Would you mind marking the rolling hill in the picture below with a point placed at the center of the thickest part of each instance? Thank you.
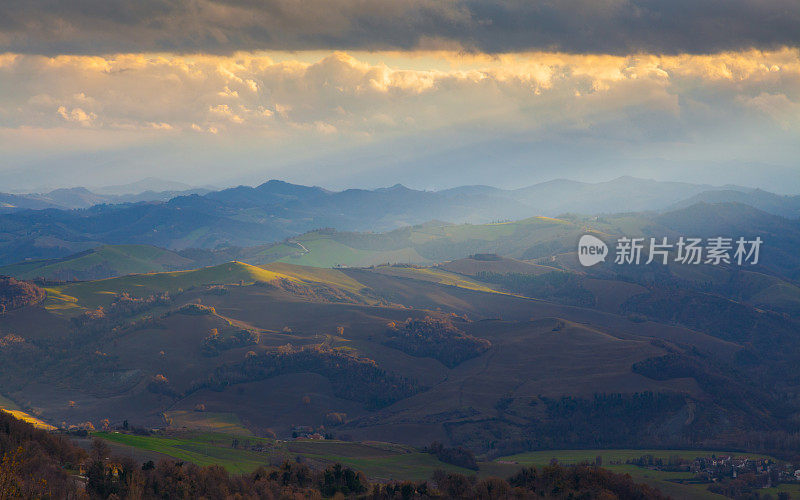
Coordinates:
(493, 263)
(529, 246)
(421, 244)
(285, 346)
(785, 206)
(250, 216)
(85, 295)
(101, 262)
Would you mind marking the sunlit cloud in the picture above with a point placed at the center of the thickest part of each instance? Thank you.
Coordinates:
(258, 92)
(288, 104)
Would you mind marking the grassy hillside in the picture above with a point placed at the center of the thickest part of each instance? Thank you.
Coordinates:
(379, 461)
(328, 277)
(91, 294)
(421, 244)
(101, 262)
(492, 367)
(542, 240)
(128, 357)
(493, 263)
(8, 406)
(439, 276)
(321, 250)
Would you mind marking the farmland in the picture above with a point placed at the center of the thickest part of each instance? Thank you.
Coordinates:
(384, 461)
(379, 461)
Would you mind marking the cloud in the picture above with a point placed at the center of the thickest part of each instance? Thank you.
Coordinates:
(77, 115)
(356, 114)
(492, 26)
(342, 93)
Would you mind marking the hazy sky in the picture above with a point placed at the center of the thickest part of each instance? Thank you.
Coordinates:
(429, 93)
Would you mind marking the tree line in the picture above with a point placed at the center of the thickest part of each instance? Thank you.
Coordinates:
(37, 464)
(352, 377)
(558, 286)
(435, 338)
(15, 294)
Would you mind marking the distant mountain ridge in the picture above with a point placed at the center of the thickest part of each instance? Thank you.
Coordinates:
(248, 216)
(547, 198)
(785, 206)
(80, 197)
(153, 184)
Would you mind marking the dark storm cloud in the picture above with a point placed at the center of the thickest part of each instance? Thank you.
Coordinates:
(577, 26)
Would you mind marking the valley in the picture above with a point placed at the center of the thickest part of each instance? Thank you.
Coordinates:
(365, 348)
(257, 342)
(414, 250)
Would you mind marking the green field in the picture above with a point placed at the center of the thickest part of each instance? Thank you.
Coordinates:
(324, 251)
(487, 232)
(201, 448)
(384, 461)
(379, 461)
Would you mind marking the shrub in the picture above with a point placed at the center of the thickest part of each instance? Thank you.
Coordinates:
(196, 309)
(15, 294)
(352, 377)
(459, 456)
(436, 338)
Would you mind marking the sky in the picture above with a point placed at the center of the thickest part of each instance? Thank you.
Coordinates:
(427, 93)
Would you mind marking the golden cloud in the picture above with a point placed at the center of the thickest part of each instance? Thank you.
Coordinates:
(366, 93)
